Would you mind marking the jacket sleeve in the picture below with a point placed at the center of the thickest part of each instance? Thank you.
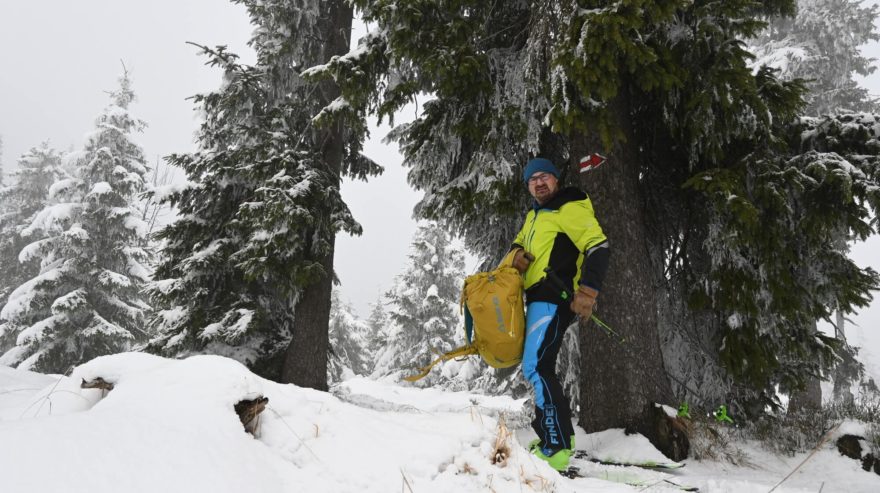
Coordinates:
(595, 265)
(581, 226)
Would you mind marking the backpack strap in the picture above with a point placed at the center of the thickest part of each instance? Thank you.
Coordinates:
(507, 261)
(468, 326)
(455, 353)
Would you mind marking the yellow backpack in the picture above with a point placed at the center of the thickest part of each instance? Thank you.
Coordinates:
(494, 318)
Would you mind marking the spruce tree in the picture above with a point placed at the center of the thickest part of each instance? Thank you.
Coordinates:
(425, 307)
(86, 300)
(778, 228)
(822, 45)
(248, 267)
(519, 90)
(667, 90)
(377, 334)
(38, 169)
(348, 341)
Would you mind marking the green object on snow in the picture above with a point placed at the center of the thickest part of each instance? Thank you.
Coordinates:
(684, 411)
(721, 415)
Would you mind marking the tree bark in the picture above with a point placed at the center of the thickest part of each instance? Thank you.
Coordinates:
(808, 399)
(248, 411)
(98, 383)
(619, 379)
(842, 384)
(305, 362)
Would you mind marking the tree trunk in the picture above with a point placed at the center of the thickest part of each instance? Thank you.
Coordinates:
(619, 379)
(305, 363)
(842, 394)
(809, 399)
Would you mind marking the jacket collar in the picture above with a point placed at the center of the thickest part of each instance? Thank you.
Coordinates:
(562, 197)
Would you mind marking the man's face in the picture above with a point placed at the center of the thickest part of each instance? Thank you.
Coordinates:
(543, 186)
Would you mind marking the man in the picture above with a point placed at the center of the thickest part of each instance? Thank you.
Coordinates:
(560, 250)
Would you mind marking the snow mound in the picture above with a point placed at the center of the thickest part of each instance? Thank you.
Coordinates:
(17, 389)
(615, 446)
(169, 426)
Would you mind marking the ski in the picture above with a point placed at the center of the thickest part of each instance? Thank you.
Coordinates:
(633, 476)
(580, 454)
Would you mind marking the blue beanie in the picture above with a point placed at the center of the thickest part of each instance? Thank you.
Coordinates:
(537, 165)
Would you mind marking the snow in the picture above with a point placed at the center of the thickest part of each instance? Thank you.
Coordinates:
(98, 325)
(174, 420)
(36, 330)
(207, 252)
(108, 277)
(669, 410)
(136, 269)
(136, 224)
(616, 446)
(432, 292)
(164, 192)
(169, 426)
(165, 286)
(52, 218)
(850, 427)
(100, 188)
(34, 250)
(21, 298)
(62, 186)
(734, 321)
(243, 319)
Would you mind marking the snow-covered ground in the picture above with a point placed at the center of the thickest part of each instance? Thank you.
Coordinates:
(169, 426)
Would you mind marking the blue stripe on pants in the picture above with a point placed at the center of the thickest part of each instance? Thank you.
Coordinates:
(545, 328)
(538, 318)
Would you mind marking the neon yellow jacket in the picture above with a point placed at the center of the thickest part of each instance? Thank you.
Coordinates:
(558, 234)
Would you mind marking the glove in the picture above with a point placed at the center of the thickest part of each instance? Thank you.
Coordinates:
(521, 260)
(584, 300)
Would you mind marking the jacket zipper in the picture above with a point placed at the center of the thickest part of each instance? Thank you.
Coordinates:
(531, 235)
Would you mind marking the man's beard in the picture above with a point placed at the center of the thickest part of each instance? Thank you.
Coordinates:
(542, 193)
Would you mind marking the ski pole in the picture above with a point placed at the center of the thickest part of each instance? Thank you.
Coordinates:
(607, 328)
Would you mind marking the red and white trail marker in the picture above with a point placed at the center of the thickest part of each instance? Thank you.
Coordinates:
(591, 162)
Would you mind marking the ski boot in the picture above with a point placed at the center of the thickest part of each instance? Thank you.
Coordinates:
(558, 460)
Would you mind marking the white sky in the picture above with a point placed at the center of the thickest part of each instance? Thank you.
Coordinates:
(57, 57)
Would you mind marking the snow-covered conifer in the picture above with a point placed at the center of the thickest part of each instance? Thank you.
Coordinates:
(37, 170)
(668, 92)
(378, 326)
(246, 264)
(86, 300)
(348, 342)
(781, 229)
(228, 279)
(424, 306)
(822, 44)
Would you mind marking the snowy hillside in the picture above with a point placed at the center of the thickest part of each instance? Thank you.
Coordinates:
(169, 426)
